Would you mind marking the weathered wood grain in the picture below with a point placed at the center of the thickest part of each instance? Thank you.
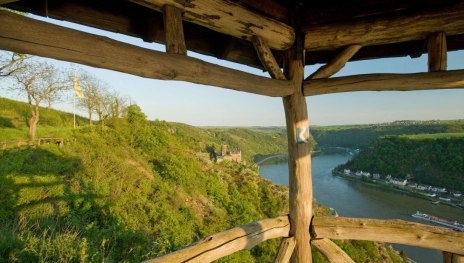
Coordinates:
(267, 58)
(26, 35)
(337, 63)
(437, 57)
(230, 18)
(331, 251)
(386, 82)
(175, 43)
(287, 245)
(391, 231)
(452, 258)
(386, 30)
(230, 241)
(299, 161)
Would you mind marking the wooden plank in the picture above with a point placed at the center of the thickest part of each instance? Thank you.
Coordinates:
(453, 79)
(391, 231)
(436, 46)
(337, 63)
(230, 18)
(175, 43)
(267, 58)
(4, 2)
(331, 251)
(452, 258)
(227, 242)
(385, 31)
(299, 160)
(287, 245)
(29, 36)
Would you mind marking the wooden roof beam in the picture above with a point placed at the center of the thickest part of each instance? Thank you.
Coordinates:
(25, 35)
(337, 63)
(385, 31)
(386, 82)
(436, 45)
(267, 58)
(230, 18)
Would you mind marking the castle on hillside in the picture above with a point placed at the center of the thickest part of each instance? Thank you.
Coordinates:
(234, 155)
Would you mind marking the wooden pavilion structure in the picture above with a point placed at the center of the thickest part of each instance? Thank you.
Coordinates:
(271, 35)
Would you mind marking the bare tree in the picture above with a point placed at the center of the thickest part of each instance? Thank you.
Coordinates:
(93, 90)
(11, 62)
(39, 81)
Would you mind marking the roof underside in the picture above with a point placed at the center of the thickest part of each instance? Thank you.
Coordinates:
(135, 19)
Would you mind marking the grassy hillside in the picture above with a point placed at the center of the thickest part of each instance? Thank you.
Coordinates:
(436, 159)
(132, 193)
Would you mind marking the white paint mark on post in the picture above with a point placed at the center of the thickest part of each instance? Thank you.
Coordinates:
(302, 135)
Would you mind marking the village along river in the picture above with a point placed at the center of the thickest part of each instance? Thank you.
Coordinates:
(355, 199)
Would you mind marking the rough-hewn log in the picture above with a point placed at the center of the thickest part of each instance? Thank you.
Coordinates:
(436, 46)
(267, 58)
(386, 82)
(452, 258)
(287, 245)
(174, 30)
(26, 35)
(299, 161)
(337, 63)
(331, 251)
(231, 19)
(385, 31)
(391, 231)
(227, 242)
(4, 2)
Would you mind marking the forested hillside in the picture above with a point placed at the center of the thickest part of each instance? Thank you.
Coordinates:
(134, 191)
(436, 159)
(360, 136)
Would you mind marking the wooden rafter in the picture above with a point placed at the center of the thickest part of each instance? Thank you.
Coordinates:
(230, 18)
(386, 82)
(331, 251)
(267, 58)
(385, 31)
(286, 247)
(337, 63)
(390, 231)
(436, 45)
(227, 242)
(26, 35)
(175, 43)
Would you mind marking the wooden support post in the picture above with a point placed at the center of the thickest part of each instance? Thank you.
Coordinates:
(287, 245)
(267, 58)
(337, 63)
(436, 45)
(299, 160)
(452, 258)
(175, 43)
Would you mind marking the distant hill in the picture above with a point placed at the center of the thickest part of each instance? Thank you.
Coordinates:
(360, 136)
(435, 159)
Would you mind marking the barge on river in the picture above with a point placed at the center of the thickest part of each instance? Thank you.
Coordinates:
(453, 225)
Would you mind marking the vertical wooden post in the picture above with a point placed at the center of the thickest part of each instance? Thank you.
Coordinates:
(436, 45)
(174, 30)
(299, 160)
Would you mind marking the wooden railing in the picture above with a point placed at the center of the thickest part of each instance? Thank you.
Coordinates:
(31, 143)
(322, 230)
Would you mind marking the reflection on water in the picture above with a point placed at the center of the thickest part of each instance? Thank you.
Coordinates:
(354, 199)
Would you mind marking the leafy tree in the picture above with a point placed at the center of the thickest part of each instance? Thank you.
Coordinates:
(93, 93)
(39, 81)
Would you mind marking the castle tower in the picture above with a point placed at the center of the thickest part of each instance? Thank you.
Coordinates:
(223, 149)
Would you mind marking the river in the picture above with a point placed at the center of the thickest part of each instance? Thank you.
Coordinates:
(355, 199)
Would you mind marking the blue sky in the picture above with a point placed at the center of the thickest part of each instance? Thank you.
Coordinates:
(201, 105)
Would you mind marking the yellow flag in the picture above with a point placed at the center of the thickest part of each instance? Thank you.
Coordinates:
(77, 88)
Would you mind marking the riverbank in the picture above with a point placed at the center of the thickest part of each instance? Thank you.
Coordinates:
(391, 188)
